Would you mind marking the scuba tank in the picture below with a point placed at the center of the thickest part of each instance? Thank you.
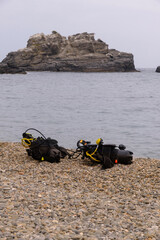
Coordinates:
(106, 154)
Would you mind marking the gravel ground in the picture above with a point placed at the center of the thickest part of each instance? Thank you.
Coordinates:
(75, 199)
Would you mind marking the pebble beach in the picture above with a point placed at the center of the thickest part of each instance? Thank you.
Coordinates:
(76, 199)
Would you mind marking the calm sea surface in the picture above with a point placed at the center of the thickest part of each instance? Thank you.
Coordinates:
(118, 107)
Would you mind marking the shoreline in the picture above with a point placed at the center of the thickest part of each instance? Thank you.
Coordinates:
(75, 199)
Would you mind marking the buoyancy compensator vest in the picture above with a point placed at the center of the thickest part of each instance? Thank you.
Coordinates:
(106, 154)
(42, 148)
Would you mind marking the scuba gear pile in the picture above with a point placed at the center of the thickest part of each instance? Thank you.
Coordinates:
(106, 154)
(47, 149)
(42, 148)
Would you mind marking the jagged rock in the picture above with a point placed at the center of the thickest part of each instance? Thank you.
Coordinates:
(5, 68)
(158, 69)
(80, 52)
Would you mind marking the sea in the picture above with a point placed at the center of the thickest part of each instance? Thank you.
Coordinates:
(120, 108)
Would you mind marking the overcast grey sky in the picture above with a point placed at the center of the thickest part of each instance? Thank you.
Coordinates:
(126, 25)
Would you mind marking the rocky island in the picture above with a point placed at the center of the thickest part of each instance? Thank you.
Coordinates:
(77, 53)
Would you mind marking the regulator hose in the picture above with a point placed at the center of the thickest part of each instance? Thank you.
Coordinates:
(36, 131)
(28, 138)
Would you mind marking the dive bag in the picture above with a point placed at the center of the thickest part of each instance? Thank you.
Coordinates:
(42, 148)
(106, 154)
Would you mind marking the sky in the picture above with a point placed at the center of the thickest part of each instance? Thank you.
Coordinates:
(126, 25)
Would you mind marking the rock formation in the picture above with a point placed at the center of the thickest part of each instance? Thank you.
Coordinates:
(78, 53)
(6, 68)
(158, 69)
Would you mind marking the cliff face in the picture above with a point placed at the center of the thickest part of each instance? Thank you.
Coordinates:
(80, 52)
